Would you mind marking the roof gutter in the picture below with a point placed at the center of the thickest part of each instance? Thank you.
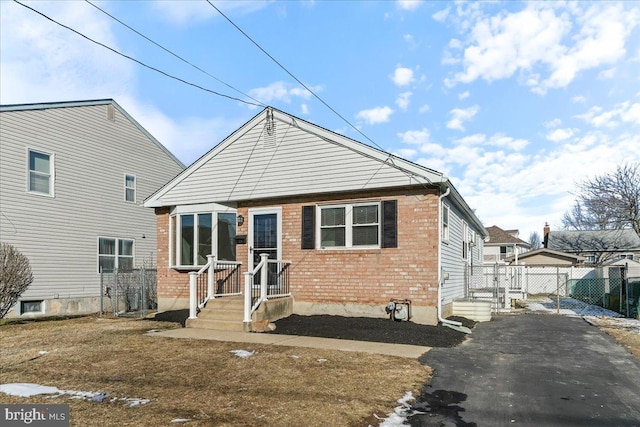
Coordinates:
(440, 275)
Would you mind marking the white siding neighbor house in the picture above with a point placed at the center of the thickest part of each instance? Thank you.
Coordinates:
(347, 228)
(73, 176)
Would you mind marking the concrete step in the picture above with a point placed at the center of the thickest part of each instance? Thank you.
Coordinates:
(218, 325)
(221, 314)
(226, 303)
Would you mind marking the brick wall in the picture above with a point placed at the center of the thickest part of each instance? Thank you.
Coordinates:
(337, 276)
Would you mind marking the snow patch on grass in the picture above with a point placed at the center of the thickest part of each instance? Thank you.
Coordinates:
(30, 389)
(243, 353)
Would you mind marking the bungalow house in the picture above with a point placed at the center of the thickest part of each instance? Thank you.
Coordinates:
(73, 176)
(353, 227)
(501, 244)
(597, 246)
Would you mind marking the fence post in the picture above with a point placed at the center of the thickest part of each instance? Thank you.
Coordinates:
(143, 298)
(193, 294)
(212, 270)
(115, 286)
(264, 276)
(248, 279)
(558, 290)
(101, 292)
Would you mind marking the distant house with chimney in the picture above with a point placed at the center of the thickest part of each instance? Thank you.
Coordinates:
(596, 246)
(502, 244)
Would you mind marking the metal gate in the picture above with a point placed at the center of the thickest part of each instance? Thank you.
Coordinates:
(129, 292)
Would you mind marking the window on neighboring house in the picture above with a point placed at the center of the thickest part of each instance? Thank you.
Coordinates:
(465, 240)
(30, 307)
(130, 188)
(503, 252)
(114, 253)
(626, 256)
(590, 259)
(196, 234)
(445, 223)
(40, 173)
(346, 226)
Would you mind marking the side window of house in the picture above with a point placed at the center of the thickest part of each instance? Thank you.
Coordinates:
(445, 223)
(198, 234)
(40, 179)
(465, 240)
(130, 188)
(115, 253)
(347, 226)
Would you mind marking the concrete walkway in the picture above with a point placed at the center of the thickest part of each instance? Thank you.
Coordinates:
(531, 370)
(399, 350)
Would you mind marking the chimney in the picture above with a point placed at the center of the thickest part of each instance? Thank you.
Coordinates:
(546, 230)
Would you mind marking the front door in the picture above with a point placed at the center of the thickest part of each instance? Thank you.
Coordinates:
(265, 235)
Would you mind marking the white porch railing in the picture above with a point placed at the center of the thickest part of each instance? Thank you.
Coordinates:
(214, 279)
(273, 283)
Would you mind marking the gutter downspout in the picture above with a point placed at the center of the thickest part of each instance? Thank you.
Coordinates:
(440, 279)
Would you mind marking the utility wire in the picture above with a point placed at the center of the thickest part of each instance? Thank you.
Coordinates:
(296, 79)
(172, 53)
(138, 61)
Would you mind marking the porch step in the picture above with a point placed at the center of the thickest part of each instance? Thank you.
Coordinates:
(222, 314)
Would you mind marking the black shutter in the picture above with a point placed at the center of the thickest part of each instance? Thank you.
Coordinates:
(390, 224)
(308, 227)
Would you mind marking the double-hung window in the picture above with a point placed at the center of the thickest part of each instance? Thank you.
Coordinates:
(348, 226)
(40, 180)
(445, 223)
(130, 188)
(114, 253)
(196, 235)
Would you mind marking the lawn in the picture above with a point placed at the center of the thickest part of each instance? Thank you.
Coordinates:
(198, 380)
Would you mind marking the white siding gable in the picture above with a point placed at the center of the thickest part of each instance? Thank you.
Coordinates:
(287, 157)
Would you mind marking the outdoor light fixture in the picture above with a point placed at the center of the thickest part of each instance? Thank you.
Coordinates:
(240, 220)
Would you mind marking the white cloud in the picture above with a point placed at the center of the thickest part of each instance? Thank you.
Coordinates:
(375, 115)
(622, 112)
(464, 95)
(44, 62)
(304, 109)
(553, 123)
(607, 74)
(402, 101)
(402, 76)
(496, 140)
(559, 135)
(407, 153)
(409, 4)
(579, 99)
(461, 115)
(539, 38)
(281, 91)
(424, 109)
(419, 137)
(441, 15)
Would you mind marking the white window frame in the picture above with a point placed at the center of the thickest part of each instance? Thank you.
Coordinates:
(126, 187)
(349, 226)
(446, 229)
(51, 174)
(465, 242)
(175, 237)
(117, 255)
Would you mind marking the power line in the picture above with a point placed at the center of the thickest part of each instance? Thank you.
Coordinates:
(172, 53)
(138, 61)
(296, 79)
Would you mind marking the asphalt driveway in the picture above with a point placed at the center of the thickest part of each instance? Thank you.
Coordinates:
(531, 370)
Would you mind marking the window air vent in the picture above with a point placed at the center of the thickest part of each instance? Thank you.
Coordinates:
(111, 113)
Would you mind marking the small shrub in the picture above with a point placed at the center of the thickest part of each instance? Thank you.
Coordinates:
(15, 276)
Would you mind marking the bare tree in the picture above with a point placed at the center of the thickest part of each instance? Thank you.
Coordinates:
(534, 240)
(609, 201)
(15, 276)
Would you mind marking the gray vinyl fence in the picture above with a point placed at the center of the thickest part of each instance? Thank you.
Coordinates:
(607, 287)
(129, 293)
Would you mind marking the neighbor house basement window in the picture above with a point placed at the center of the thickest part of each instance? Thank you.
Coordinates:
(197, 234)
(40, 178)
(30, 307)
(114, 254)
(130, 188)
(346, 226)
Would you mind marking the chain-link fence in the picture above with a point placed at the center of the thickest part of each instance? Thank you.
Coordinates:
(607, 287)
(131, 292)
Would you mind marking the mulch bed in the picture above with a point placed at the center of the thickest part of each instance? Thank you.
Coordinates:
(372, 329)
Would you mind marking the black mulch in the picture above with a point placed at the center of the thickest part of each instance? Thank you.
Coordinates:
(371, 329)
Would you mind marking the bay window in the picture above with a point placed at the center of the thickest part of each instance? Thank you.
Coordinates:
(197, 235)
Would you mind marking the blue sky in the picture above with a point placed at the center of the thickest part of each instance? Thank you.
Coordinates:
(516, 102)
